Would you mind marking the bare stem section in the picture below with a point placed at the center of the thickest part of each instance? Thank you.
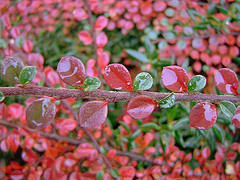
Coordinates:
(111, 96)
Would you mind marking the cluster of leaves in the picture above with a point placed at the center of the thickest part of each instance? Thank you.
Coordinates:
(170, 32)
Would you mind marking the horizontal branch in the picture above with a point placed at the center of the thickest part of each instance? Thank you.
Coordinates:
(111, 96)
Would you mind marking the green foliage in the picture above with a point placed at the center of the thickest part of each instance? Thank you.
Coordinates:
(143, 81)
(228, 108)
(91, 84)
(137, 55)
(27, 74)
(196, 83)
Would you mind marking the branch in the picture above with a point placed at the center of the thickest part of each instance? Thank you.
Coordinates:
(44, 134)
(77, 142)
(111, 96)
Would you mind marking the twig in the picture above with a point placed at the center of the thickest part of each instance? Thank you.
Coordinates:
(111, 96)
(76, 142)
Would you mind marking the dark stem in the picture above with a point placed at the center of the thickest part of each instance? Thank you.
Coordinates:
(112, 96)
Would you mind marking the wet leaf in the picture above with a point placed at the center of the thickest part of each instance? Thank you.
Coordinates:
(143, 81)
(71, 70)
(168, 101)
(175, 78)
(228, 108)
(92, 114)
(91, 84)
(2, 97)
(236, 118)
(196, 83)
(40, 113)
(11, 68)
(137, 55)
(118, 77)
(140, 106)
(203, 116)
(226, 81)
(27, 74)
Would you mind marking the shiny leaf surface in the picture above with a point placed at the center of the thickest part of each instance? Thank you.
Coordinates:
(203, 116)
(137, 55)
(143, 81)
(175, 78)
(118, 77)
(168, 101)
(11, 68)
(71, 70)
(2, 97)
(92, 114)
(140, 106)
(228, 108)
(236, 118)
(226, 81)
(27, 74)
(196, 83)
(40, 113)
(91, 84)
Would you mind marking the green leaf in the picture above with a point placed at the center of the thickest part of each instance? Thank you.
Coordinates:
(168, 35)
(162, 45)
(143, 81)
(2, 97)
(168, 101)
(181, 123)
(19, 41)
(137, 55)
(27, 74)
(151, 125)
(149, 47)
(100, 175)
(91, 84)
(228, 108)
(181, 44)
(211, 8)
(219, 132)
(125, 126)
(114, 173)
(196, 83)
(223, 10)
(3, 43)
(169, 12)
(135, 134)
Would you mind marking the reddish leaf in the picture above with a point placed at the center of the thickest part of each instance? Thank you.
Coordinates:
(15, 32)
(127, 172)
(101, 40)
(175, 78)
(36, 59)
(226, 81)
(29, 156)
(118, 77)
(85, 150)
(103, 59)
(3, 109)
(27, 46)
(51, 76)
(80, 14)
(140, 106)
(85, 37)
(92, 114)
(203, 115)
(64, 125)
(71, 70)
(236, 118)
(40, 113)
(206, 152)
(14, 111)
(101, 23)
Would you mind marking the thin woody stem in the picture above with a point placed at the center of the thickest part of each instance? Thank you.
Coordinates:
(112, 96)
